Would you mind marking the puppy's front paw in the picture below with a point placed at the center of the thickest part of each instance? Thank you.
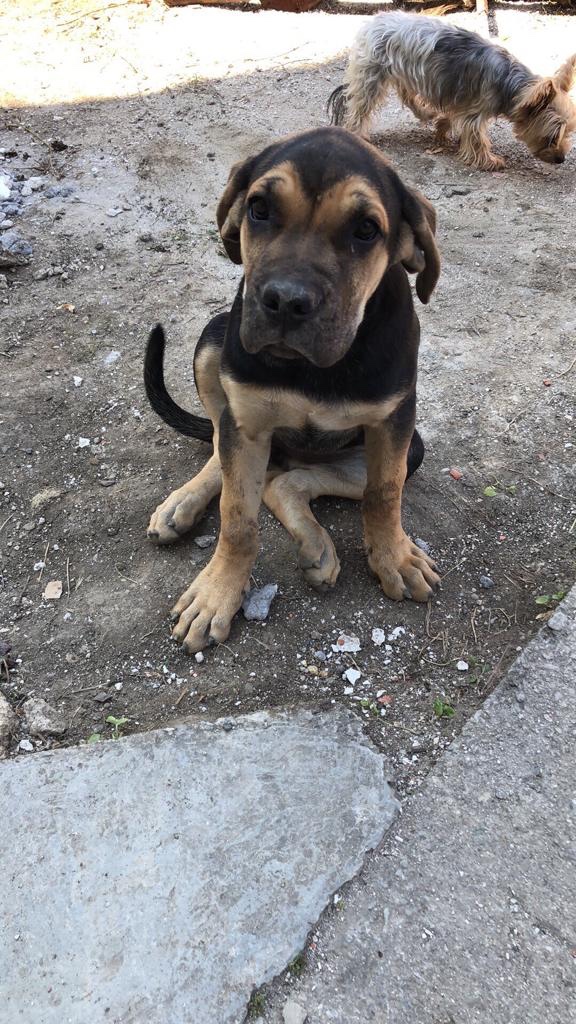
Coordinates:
(175, 516)
(205, 611)
(404, 570)
(318, 560)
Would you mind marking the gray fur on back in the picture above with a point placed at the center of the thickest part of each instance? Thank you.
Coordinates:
(445, 65)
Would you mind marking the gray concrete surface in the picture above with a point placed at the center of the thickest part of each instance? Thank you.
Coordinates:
(157, 879)
(467, 914)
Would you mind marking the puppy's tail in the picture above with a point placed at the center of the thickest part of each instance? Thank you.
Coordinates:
(184, 422)
(336, 106)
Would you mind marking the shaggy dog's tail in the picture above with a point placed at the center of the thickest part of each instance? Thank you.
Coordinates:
(336, 105)
(179, 419)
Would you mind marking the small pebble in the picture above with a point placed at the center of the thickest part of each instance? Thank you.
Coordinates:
(205, 540)
(26, 745)
(256, 604)
(397, 632)
(199, 657)
(351, 675)
(103, 697)
(486, 582)
(423, 545)
(462, 666)
(346, 644)
(558, 622)
(457, 190)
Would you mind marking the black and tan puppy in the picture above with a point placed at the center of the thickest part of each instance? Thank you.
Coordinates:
(310, 380)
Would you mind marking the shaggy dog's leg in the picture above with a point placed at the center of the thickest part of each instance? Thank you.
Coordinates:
(475, 145)
(366, 85)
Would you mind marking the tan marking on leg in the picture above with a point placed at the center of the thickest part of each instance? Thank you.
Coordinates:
(183, 507)
(288, 496)
(419, 108)
(442, 128)
(402, 568)
(205, 611)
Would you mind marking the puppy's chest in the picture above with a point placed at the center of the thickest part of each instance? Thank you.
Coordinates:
(259, 409)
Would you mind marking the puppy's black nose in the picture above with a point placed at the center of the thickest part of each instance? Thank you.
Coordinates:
(289, 301)
(559, 159)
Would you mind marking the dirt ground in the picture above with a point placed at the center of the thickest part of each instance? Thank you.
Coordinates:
(153, 106)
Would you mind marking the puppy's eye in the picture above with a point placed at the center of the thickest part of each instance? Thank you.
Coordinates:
(366, 230)
(258, 208)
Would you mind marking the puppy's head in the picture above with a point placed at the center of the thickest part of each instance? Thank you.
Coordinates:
(545, 115)
(317, 220)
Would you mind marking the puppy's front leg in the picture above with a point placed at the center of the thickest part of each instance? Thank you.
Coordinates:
(205, 611)
(402, 568)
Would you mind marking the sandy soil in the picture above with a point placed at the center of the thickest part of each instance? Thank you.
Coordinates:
(153, 106)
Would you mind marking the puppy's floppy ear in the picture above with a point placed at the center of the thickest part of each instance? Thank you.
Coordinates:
(231, 207)
(566, 75)
(536, 97)
(417, 250)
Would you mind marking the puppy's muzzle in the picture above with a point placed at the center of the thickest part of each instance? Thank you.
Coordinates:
(289, 304)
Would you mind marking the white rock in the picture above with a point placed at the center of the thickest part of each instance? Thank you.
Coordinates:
(26, 745)
(346, 644)
(114, 211)
(397, 632)
(78, 381)
(83, 442)
(199, 657)
(4, 189)
(111, 358)
(53, 590)
(378, 636)
(293, 1013)
(462, 666)
(351, 675)
(42, 719)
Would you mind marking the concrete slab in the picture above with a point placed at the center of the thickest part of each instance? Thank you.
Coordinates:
(159, 878)
(468, 912)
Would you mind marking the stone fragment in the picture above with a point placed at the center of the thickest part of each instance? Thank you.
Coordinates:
(346, 644)
(42, 719)
(293, 1013)
(486, 582)
(205, 540)
(227, 845)
(256, 604)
